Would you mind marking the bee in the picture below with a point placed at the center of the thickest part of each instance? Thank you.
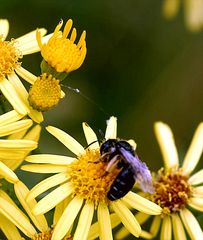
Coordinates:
(120, 154)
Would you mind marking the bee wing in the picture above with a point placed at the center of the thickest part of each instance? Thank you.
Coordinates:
(142, 174)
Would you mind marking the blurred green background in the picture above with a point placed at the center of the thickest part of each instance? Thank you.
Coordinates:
(139, 68)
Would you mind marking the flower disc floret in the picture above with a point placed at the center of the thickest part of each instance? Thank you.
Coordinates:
(60, 52)
(46, 236)
(9, 57)
(45, 93)
(172, 191)
(89, 177)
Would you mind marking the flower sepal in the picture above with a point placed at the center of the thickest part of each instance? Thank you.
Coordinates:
(46, 68)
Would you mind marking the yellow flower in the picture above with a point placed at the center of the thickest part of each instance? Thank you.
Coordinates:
(60, 52)
(11, 52)
(193, 12)
(12, 218)
(10, 215)
(83, 185)
(176, 189)
(45, 91)
(19, 141)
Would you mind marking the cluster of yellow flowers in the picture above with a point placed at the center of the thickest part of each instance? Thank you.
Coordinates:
(82, 207)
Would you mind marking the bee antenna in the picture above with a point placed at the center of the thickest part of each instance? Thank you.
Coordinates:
(91, 144)
(76, 90)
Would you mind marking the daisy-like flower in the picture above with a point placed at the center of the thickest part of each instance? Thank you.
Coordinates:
(10, 215)
(19, 141)
(45, 91)
(83, 184)
(11, 53)
(61, 54)
(176, 189)
(12, 219)
(193, 12)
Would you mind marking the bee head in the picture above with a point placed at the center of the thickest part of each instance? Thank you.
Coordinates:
(109, 146)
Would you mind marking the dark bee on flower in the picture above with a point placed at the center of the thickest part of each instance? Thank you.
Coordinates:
(120, 154)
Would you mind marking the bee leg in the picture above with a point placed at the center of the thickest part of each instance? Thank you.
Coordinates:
(103, 158)
(113, 164)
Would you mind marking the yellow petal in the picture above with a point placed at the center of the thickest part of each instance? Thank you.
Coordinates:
(67, 219)
(9, 117)
(27, 44)
(15, 127)
(90, 136)
(84, 222)
(193, 15)
(178, 230)
(4, 26)
(45, 168)
(154, 229)
(126, 217)
(17, 135)
(94, 229)
(166, 229)
(11, 95)
(10, 155)
(66, 139)
(191, 224)
(33, 134)
(23, 94)
(46, 184)
(166, 142)
(170, 8)
(9, 229)
(197, 191)
(14, 215)
(111, 129)
(30, 36)
(26, 75)
(197, 178)
(105, 229)
(21, 192)
(50, 158)
(196, 203)
(17, 145)
(194, 152)
(59, 209)
(132, 143)
(121, 233)
(7, 173)
(142, 204)
(53, 198)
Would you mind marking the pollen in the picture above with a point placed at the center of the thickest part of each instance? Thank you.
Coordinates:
(47, 236)
(9, 57)
(172, 191)
(89, 177)
(60, 52)
(45, 93)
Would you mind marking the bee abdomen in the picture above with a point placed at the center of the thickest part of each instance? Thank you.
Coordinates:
(122, 184)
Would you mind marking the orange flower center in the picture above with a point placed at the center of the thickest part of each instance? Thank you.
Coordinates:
(9, 57)
(172, 191)
(89, 177)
